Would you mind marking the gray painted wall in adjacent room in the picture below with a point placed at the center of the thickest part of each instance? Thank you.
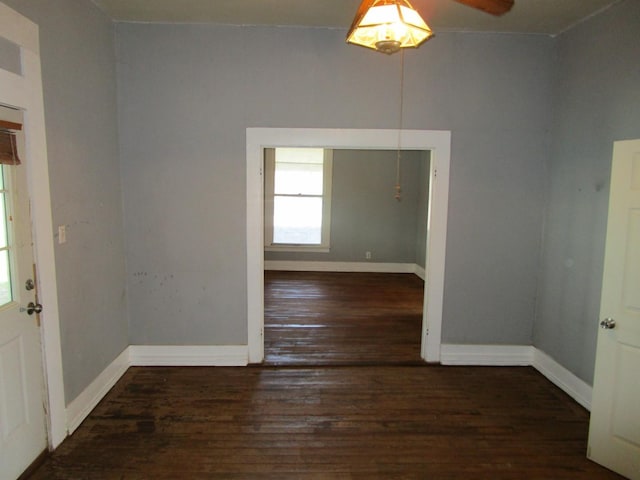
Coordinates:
(597, 101)
(79, 83)
(188, 92)
(365, 216)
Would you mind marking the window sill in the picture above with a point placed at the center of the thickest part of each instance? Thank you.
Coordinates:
(296, 248)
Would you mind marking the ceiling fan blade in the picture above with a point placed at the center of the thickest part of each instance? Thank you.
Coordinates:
(494, 7)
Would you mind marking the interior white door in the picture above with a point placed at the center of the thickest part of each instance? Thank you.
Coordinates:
(614, 433)
(22, 413)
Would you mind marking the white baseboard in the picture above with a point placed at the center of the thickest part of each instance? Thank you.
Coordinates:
(369, 267)
(576, 388)
(490, 355)
(237, 355)
(82, 405)
(519, 355)
(188, 355)
(150, 355)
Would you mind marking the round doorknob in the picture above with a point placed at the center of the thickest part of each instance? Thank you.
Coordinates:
(608, 324)
(32, 308)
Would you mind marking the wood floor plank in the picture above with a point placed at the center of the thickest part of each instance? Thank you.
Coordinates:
(326, 318)
(329, 422)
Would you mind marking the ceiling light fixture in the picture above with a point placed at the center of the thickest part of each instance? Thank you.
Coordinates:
(387, 26)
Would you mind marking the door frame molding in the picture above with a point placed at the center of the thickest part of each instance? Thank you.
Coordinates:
(438, 142)
(25, 91)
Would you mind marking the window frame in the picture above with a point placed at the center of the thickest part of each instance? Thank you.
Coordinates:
(269, 194)
(8, 192)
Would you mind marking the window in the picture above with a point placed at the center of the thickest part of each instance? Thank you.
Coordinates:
(298, 199)
(6, 295)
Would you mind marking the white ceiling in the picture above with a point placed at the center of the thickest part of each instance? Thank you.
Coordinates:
(527, 16)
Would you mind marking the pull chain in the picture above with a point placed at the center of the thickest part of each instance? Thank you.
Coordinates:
(398, 195)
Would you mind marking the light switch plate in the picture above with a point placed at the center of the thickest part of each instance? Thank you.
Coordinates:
(62, 234)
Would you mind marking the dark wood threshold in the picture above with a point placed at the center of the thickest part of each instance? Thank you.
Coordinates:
(350, 364)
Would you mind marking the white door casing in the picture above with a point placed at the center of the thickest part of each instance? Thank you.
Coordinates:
(438, 142)
(24, 91)
(614, 432)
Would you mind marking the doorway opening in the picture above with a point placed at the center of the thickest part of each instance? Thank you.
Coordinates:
(345, 243)
(435, 141)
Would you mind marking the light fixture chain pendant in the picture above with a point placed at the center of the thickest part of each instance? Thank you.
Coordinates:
(398, 194)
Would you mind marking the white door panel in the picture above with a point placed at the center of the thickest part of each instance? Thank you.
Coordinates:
(614, 434)
(22, 414)
(14, 398)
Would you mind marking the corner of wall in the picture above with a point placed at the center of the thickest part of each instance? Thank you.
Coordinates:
(519, 355)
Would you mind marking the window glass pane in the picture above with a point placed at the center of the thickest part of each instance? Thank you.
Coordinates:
(298, 171)
(2, 178)
(3, 221)
(297, 220)
(294, 179)
(5, 278)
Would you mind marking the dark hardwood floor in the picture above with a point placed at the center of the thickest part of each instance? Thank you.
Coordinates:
(320, 318)
(345, 399)
(389, 422)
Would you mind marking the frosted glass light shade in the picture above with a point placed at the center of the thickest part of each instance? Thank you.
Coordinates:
(388, 26)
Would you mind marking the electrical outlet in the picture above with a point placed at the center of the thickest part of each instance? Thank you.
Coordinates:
(367, 255)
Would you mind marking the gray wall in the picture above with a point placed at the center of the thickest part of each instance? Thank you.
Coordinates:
(365, 216)
(79, 81)
(188, 92)
(596, 101)
(186, 95)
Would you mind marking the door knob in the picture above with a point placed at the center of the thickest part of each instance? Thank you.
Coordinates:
(32, 308)
(608, 324)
